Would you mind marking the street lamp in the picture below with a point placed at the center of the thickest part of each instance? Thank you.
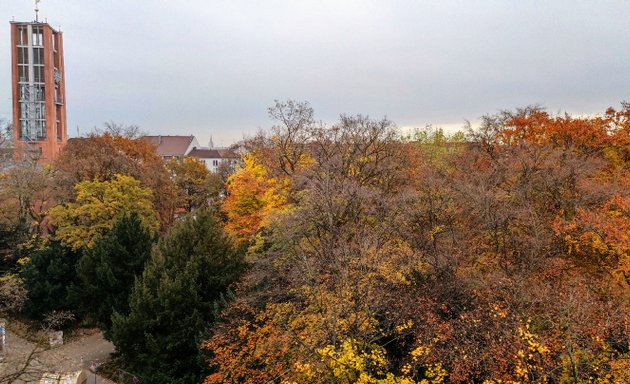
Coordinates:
(93, 367)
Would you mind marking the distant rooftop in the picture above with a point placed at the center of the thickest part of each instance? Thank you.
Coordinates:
(170, 145)
(213, 153)
(34, 22)
(228, 153)
(205, 153)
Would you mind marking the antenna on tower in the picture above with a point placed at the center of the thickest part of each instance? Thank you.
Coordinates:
(37, 10)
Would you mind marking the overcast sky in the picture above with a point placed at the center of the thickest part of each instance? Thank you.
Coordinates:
(208, 67)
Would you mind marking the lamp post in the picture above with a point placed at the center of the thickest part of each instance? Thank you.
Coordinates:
(93, 367)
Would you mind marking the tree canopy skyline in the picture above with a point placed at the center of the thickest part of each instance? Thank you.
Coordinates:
(211, 68)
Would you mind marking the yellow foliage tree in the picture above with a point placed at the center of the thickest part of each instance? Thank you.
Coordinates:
(98, 204)
(252, 196)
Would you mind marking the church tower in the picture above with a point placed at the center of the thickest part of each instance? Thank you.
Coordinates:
(39, 94)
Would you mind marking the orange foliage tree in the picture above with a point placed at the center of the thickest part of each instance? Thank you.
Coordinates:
(252, 197)
(101, 157)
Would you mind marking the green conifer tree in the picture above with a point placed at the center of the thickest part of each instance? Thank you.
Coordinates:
(172, 303)
(48, 276)
(109, 269)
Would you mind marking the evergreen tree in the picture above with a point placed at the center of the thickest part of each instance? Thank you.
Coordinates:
(48, 276)
(171, 304)
(108, 270)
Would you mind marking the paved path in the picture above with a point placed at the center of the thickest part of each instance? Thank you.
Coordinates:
(80, 353)
(75, 355)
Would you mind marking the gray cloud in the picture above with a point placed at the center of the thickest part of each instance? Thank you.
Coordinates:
(212, 67)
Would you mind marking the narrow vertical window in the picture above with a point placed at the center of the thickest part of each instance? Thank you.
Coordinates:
(22, 38)
(38, 37)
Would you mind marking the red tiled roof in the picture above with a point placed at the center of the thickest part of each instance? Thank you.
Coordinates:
(170, 145)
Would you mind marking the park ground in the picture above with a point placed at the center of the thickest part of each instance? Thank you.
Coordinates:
(80, 352)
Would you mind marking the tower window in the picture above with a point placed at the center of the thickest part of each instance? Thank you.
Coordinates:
(22, 55)
(22, 37)
(23, 73)
(38, 56)
(38, 37)
(38, 72)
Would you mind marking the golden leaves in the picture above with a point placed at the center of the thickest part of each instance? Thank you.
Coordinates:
(98, 203)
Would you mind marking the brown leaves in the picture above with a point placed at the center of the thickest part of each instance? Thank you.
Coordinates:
(492, 262)
(101, 157)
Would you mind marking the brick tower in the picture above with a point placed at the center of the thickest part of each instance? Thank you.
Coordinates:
(39, 94)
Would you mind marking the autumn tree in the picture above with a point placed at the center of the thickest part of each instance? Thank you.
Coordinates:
(260, 188)
(196, 185)
(115, 129)
(522, 182)
(98, 204)
(6, 142)
(334, 251)
(290, 137)
(498, 259)
(190, 268)
(100, 157)
(25, 197)
(253, 195)
(13, 294)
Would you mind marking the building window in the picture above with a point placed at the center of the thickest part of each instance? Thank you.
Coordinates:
(23, 111)
(40, 93)
(22, 55)
(22, 37)
(23, 73)
(38, 56)
(38, 37)
(40, 111)
(38, 73)
(215, 162)
(32, 93)
(40, 129)
(59, 132)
